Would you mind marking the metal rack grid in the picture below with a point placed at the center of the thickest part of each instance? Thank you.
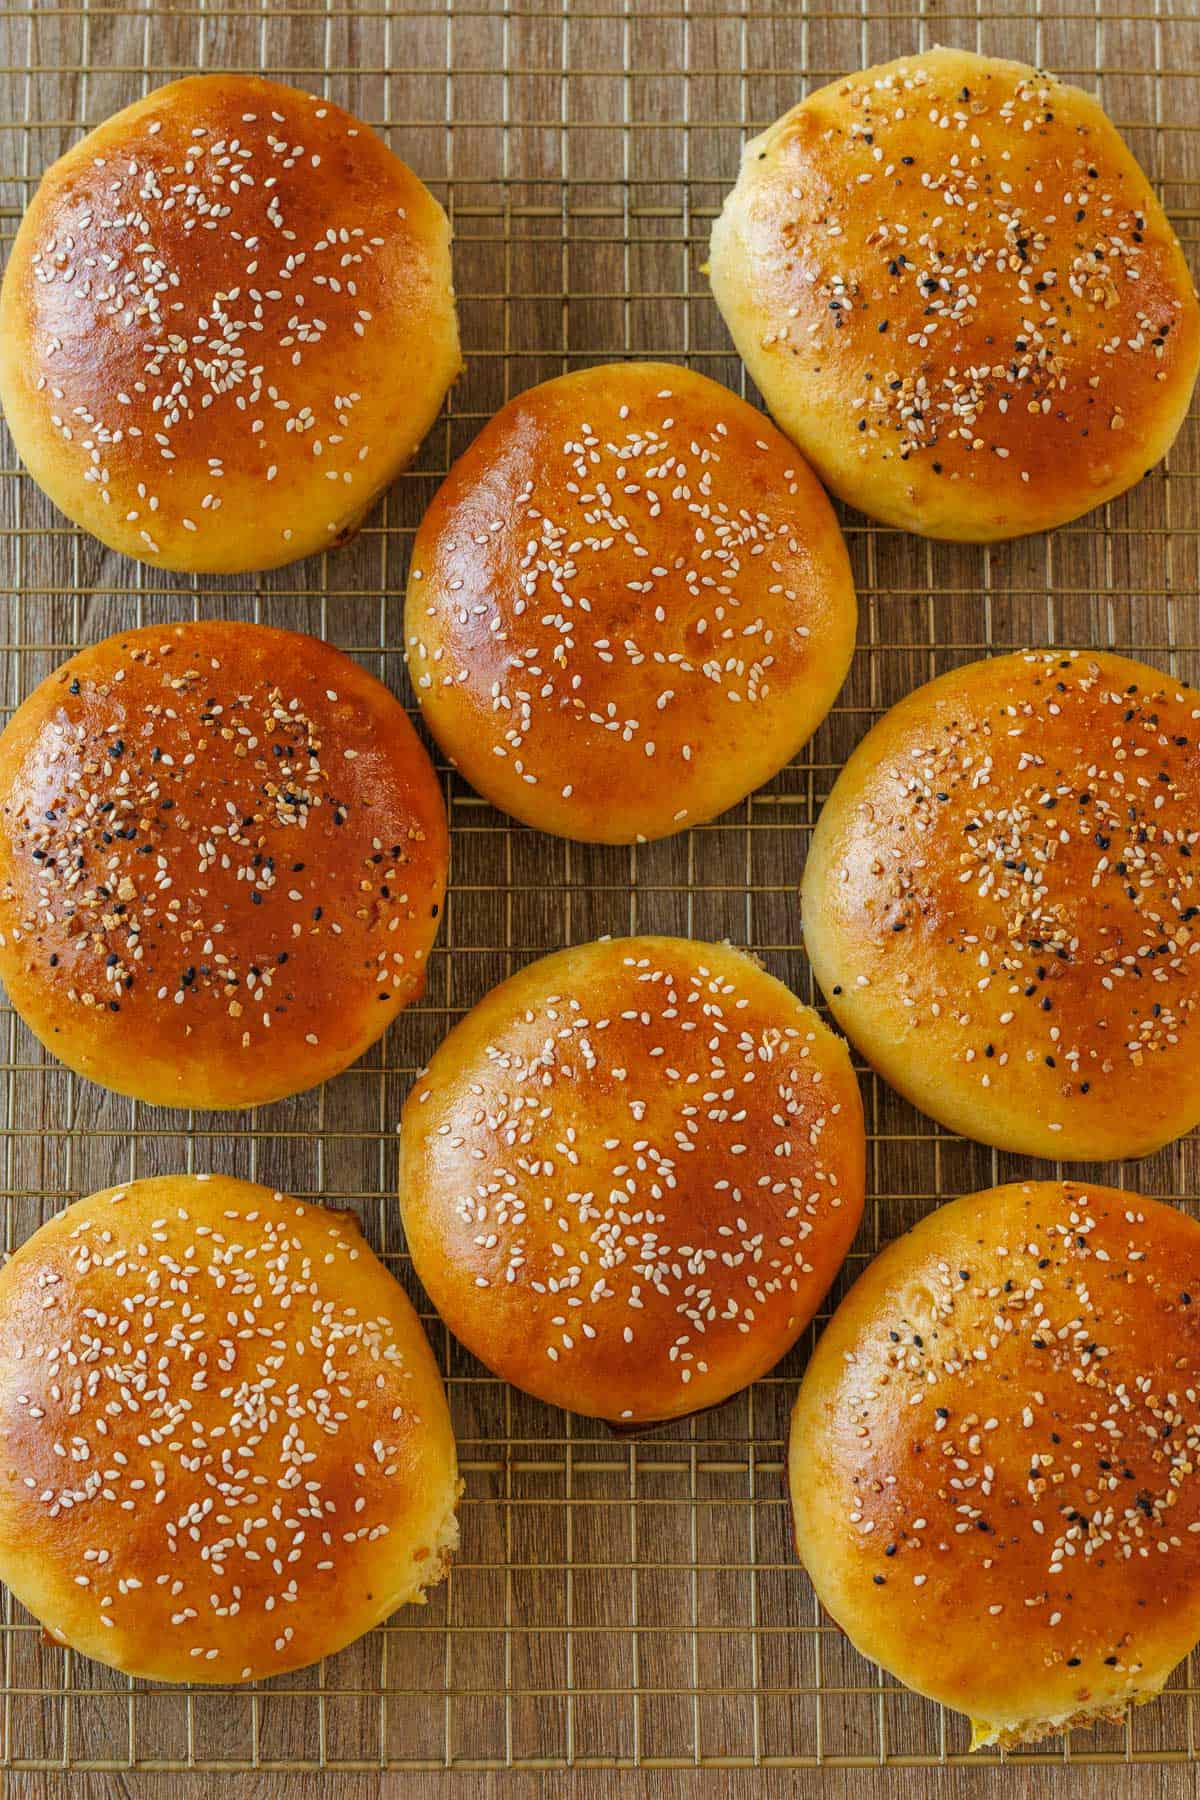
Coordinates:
(630, 1604)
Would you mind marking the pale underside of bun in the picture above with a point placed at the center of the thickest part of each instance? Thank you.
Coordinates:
(1011, 1736)
(630, 1175)
(1000, 903)
(226, 325)
(959, 295)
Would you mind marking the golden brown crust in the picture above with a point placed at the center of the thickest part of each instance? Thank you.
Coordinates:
(630, 1175)
(994, 1456)
(1001, 903)
(630, 604)
(222, 862)
(226, 325)
(226, 1451)
(958, 292)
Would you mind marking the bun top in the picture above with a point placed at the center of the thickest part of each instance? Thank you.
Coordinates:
(222, 862)
(960, 295)
(630, 1175)
(226, 324)
(995, 1456)
(1002, 897)
(629, 604)
(224, 1447)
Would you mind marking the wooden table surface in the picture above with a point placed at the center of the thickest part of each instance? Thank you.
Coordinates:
(1009, 1783)
(634, 1602)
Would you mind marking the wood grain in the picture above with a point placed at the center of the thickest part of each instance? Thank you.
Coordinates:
(1012, 1782)
(631, 1603)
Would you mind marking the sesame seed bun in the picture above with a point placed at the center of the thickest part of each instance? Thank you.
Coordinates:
(629, 605)
(959, 294)
(222, 863)
(994, 1455)
(630, 1174)
(1001, 903)
(226, 1450)
(226, 324)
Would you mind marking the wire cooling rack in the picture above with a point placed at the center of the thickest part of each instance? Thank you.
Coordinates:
(629, 1604)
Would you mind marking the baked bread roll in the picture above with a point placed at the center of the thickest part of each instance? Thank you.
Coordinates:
(222, 863)
(1002, 897)
(226, 324)
(958, 293)
(630, 1174)
(225, 1450)
(629, 604)
(994, 1456)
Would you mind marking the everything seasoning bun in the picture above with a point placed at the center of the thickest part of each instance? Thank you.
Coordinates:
(225, 1450)
(994, 1456)
(1002, 900)
(631, 1173)
(222, 863)
(629, 605)
(226, 324)
(959, 294)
